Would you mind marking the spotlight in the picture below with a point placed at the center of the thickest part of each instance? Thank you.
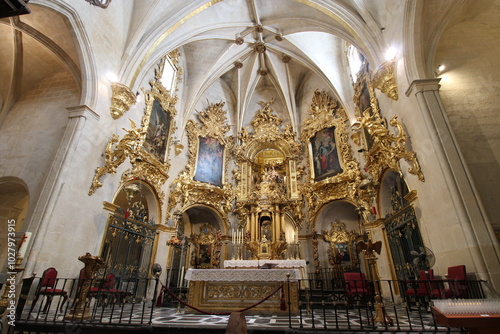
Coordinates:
(439, 69)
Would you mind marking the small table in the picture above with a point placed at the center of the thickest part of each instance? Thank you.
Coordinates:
(475, 323)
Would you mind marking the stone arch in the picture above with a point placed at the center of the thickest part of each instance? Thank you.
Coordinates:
(88, 69)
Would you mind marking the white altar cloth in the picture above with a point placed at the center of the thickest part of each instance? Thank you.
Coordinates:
(258, 263)
(242, 275)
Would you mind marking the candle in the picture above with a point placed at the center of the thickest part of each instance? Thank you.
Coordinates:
(181, 277)
(24, 244)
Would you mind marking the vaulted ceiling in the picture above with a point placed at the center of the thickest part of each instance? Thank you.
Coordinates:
(252, 50)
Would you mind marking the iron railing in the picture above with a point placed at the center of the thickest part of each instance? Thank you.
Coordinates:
(48, 309)
(323, 305)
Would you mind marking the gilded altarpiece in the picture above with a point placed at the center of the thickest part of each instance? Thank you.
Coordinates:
(327, 125)
(217, 193)
(266, 178)
(147, 146)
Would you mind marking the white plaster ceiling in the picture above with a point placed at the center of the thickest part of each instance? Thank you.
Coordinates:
(314, 35)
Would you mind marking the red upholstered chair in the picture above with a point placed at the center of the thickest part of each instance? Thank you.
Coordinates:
(109, 289)
(357, 287)
(421, 287)
(457, 284)
(425, 288)
(47, 288)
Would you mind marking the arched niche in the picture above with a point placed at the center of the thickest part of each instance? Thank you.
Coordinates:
(144, 193)
(204, 228)
(130, 236)
(391, 182)
(339, 225)
(14, 202)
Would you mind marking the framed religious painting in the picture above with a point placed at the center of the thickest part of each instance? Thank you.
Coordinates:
(158, 121)
(324, 152)
(343, 252)
(158, 131)
(329, 152)
(210, 161)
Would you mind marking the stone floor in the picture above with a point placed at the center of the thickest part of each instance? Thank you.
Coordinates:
(345, 320)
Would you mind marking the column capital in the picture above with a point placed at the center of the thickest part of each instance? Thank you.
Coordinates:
(423, 86)
(82, 111)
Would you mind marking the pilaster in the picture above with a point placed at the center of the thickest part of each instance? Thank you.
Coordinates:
(467, 203)
(39, 223)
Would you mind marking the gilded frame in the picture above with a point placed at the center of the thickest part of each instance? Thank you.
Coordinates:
(187, 191)
(342, 250)
(158, 122)
(366, 104)
(210, 161)
(325, 114)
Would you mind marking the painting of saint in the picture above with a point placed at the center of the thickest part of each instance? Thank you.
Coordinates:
(158, 132)
(343, 252)
(364, 100)
(210, 164)
(325, 154)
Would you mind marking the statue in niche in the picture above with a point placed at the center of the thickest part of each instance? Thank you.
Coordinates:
(266, 231)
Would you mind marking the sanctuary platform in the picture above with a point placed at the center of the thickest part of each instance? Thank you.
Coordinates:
(231, 290)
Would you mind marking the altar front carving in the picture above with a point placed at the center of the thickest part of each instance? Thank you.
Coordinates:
(230, 290)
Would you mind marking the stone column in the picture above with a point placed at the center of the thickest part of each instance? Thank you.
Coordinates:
(47, 201)
(468, 206)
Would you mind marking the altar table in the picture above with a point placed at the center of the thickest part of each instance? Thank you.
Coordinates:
(231, 290)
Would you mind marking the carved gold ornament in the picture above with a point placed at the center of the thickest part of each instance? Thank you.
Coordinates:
(213, 240)
(381, 148)
(122, 98)
(338, 235)
(387, 149)
(385, 80)
(145, 165)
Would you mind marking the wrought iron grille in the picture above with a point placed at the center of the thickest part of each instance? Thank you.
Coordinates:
(127, 250)
(404, 236)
